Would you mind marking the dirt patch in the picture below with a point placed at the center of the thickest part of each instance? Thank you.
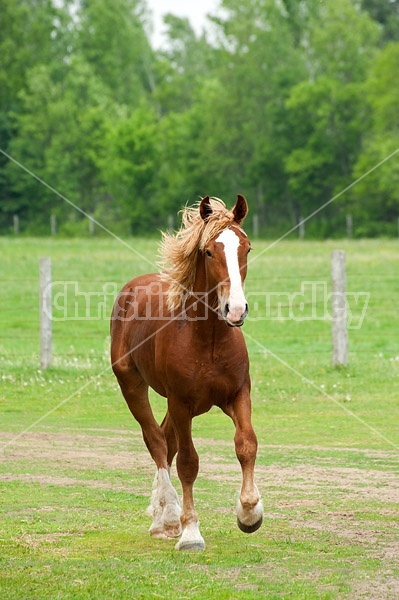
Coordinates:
(120, 450)
(86, 451)
(35, 540)
(386, 588)
(68, 481)
(352, 483)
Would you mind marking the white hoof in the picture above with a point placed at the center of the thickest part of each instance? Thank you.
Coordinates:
(190, 545)
(191, 538)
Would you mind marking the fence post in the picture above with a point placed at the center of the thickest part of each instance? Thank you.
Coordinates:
(91, 225)
(16, 224)
(349, 226)
(170, 223)
(339, 309)
(255, 225)
(301, 225)
(53, 224)
(45, 313)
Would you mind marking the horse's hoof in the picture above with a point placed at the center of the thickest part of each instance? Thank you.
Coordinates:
(172, 531)
(249, 528)
(196, 545)
(158, 533)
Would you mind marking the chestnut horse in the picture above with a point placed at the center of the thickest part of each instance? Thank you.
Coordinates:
(179, 333)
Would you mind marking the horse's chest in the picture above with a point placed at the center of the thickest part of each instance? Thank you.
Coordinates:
(211, 379)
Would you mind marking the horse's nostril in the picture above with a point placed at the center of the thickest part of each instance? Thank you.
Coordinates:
(227, 308)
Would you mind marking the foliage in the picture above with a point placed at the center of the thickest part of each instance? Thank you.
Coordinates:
(378, 199)
(111, 38)
(129, 165)
(327, 112)
(61, 130)
(287, 102)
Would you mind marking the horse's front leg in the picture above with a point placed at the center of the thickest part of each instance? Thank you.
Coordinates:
(249, 505)
(187, 469)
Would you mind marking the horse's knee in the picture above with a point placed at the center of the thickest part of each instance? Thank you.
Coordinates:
(119, 370)
(124, 374)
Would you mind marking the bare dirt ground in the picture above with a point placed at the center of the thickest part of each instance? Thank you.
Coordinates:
(305, 496)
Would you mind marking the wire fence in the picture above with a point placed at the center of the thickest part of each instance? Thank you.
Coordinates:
(285, 313)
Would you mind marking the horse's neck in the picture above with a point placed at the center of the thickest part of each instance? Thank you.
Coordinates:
(203, 302)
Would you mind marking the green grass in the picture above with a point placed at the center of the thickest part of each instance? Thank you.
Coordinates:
(75, 485)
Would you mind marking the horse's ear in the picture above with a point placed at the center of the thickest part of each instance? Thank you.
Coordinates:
(205, 208)
(240, 210)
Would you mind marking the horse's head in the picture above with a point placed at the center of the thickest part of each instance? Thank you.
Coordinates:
(226, 262)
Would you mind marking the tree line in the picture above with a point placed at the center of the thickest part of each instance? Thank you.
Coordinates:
(285, 101)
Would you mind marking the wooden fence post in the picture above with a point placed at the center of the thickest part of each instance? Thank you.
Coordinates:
(45, 313)
(170, 223)
(53, 224)
(301, 225)
(16, 224)
(255, 225)
(349, 226)
(91, 225)
(339, 309)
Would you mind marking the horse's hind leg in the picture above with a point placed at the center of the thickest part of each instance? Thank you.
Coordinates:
(164, 508)
(170, 437)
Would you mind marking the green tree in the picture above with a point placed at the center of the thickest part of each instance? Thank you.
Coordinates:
(69, 71)
(182, 66)
(244, 136)
(287, 103)
(60, 134)
(386, 13)
(375, 200)
(112, 39)
(327, 112)
(32, 32)
(129, 167)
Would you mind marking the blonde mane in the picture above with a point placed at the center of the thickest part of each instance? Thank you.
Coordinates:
(178, 252)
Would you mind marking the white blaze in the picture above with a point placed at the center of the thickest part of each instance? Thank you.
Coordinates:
(237, 302)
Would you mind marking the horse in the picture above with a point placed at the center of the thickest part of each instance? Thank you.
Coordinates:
(178, 332)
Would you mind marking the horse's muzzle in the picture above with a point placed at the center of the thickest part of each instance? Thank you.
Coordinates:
(231, 316)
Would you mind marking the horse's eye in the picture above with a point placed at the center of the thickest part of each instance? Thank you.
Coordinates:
(249, 250)
(208, 253)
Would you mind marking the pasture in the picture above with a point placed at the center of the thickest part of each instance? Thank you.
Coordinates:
(76, 478)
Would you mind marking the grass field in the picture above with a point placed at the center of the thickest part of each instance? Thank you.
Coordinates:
(76, 479)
